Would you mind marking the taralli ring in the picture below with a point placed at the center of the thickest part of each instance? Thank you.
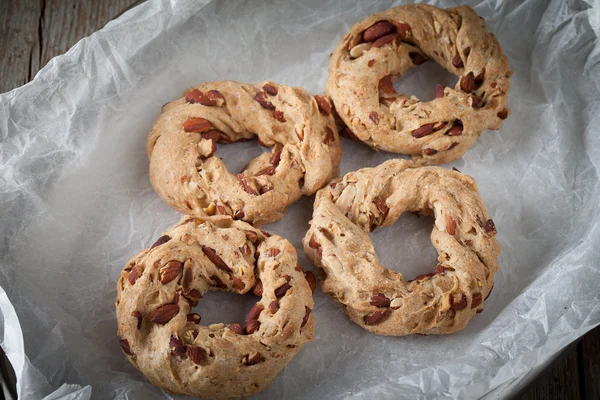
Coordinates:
(163, 338)
(379, 299)
(188, 176)
(384, 46)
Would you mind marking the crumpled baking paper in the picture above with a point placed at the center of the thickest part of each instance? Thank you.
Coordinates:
(77, 203)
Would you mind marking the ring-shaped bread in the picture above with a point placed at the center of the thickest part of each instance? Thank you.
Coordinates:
(190, 177)
(379, 299)
(163, 338)
(384, 46)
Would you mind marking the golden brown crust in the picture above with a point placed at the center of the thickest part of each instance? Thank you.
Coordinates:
(164, 340)
(379, 299)
(363, 66)
(188, 176)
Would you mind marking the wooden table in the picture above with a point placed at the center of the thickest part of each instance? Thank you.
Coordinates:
(34, 31)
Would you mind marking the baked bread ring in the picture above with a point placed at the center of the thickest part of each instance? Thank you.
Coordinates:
(163, 338)
(188, 176)
(379, 299)
(384, 46)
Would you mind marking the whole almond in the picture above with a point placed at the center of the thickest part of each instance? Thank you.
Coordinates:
(386, 85)
(236, 328)
(163, 314)
(237, 283)
(467, 82)
(260, 98)
(215, 259)
(273, 252)
(272, 90)
(456, 130)
(422, 131)
(170, 271)
(258, 288)
(254, 312)
(197, 125)
(382, 41)
(457, 61)
(274, 306)
(252, 326)
(439, 91)
(186, 280)
(378, 30)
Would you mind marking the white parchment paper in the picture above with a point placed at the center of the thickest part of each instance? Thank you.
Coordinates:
(76, 202)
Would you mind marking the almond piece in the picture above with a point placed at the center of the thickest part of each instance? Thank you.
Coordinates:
(260, 98)
(124, 343)
(161, 240)
(307, 312)
(247, 188)
(373, 116)
(403, 29)
(251, 359)
(376, 317)
(177, 347)
(170, 271)
(186, 279)
(476, 300)
(386, 85)
(258, 288)
(195, 354)
(459, 304)
(418, 58)
(194, 318)
(282, 290)
(137, 315)
(278, 115)
(133, 275)
(163, 314)
(429, 151)
(273, 252)
(489, 227)
(237, 283)
(312, 280)
(324, 106)
(380, 300)
(456, 130)
(439, 91)
(450, 225)
(329, 138)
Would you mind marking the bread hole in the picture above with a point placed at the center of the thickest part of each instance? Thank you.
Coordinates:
(237, 155)
(405, 246)
(225, 307)
(421, 81)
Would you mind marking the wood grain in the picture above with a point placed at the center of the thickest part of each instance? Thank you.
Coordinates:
(34, 31)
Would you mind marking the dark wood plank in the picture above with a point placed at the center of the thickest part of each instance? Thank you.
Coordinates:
(19, 39)
(34, 31)
(559, 382)
(65, 22)
(590, 364)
